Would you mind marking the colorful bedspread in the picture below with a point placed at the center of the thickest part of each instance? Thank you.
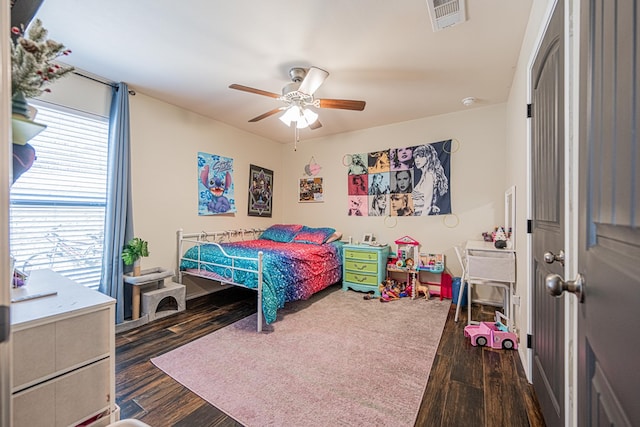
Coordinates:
(292, 271)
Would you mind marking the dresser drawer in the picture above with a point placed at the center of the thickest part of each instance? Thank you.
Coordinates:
(361, 255)
(362, 267)
(43, 351)
(361, 279)
(66, 400)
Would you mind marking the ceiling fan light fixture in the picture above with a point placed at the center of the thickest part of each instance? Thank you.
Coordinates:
(291, 114)
(310, 116)
(302, 117)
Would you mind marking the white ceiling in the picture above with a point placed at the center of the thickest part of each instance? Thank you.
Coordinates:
(383, 52)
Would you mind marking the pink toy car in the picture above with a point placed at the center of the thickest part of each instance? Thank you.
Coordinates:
(496, 335)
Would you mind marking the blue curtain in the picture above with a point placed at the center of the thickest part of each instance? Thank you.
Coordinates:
(118, 216)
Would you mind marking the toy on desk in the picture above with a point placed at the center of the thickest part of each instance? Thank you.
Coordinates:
(494, 334)
(499, 233)
(433, 263)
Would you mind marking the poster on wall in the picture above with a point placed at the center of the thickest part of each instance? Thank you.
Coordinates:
(215, 185)
(260, 191)
(311, 190)
(405, 181)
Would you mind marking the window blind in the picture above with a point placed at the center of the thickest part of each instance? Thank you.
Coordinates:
(57, 208)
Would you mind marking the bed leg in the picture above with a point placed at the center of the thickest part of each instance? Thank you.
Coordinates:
(260, 313)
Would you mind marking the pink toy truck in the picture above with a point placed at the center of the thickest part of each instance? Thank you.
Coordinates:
(495, 335)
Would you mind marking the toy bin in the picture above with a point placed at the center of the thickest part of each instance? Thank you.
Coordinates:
(455, 284)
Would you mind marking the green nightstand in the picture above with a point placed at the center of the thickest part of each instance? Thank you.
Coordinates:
(364, 267)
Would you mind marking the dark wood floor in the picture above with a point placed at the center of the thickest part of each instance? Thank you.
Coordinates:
(468, 385)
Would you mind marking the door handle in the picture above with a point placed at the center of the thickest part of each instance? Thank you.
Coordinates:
(550, 257)
(556, 286)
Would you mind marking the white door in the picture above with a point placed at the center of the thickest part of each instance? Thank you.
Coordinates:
(609, 227)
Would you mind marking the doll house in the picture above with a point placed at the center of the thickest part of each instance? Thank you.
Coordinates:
(407, 252)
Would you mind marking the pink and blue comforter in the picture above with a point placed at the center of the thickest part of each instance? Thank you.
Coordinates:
(292, 271)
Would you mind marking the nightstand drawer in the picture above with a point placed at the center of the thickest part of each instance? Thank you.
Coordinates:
(361, 279)
(362, 267)
(363, 255)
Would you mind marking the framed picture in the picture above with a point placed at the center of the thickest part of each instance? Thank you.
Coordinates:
(260, 191)
(311, 190)
(367, 239)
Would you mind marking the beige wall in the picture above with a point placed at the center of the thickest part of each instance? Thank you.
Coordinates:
(165, 141)
(477, 179)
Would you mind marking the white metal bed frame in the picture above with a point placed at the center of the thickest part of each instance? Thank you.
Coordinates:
(215, 238)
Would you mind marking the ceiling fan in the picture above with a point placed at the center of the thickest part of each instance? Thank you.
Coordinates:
(298, 95)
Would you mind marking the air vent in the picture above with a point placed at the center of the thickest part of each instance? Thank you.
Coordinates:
(446, 13)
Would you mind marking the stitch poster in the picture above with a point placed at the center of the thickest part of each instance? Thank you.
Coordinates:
(215, 185)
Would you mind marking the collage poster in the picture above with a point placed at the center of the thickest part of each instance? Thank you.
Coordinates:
(215, 185)
(311, 190)
(408, 181)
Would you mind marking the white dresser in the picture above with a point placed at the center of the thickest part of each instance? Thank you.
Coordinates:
(63, 354)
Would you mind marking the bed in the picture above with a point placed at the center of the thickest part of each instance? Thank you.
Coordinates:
(285, 262)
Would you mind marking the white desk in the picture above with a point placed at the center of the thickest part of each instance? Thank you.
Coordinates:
(487, 265)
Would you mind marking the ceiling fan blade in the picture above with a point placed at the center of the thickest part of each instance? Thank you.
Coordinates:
(343, 104)
(267, 114)
(315, 125)
(312, 81)
(253, 90)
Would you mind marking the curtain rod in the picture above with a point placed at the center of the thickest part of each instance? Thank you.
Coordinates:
(131, 91)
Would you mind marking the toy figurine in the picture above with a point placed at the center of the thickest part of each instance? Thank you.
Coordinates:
(409, 263)
(422, 288)
(387, 291)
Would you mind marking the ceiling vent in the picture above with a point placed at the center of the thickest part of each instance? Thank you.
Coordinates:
(446, 13)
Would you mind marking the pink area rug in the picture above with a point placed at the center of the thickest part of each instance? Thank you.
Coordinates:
(334, 360)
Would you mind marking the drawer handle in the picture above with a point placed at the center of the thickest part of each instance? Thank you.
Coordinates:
(361, 279)
(360, 266)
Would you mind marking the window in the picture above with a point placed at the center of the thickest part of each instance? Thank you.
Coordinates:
(57, 207)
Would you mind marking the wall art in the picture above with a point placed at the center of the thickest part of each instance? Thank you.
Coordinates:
(215, 185)
(311, 190)
(260, 191)
(405, 181)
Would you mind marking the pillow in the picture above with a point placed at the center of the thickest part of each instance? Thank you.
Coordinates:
(313, 235)
(283, 233)
(335, 236)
